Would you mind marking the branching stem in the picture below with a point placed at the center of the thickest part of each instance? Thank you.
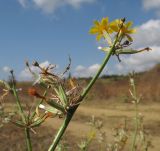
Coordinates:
(85, 92)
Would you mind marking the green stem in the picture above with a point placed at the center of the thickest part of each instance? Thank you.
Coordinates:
(23, 116)
(61, 130)
(19, 105)
(136, 116)
(136, 128)
(98, 73)
(85, 92)
(28, 139)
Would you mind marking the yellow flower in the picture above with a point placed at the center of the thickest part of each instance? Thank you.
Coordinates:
(101, 28)
(126, 29)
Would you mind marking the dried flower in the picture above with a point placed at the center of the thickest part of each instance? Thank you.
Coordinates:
(6, 92)
(33, 92)
(49, 115)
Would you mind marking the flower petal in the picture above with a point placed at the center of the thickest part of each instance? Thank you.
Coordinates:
(93, 30)
(99, 36)
(132, 31)
(96, 23)
(104, 21)
(129, 24)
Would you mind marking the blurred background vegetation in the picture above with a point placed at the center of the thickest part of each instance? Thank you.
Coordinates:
(109, 101)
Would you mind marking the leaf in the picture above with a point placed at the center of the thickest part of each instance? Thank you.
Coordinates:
(51, 109)
(63, 96)
(18, 123)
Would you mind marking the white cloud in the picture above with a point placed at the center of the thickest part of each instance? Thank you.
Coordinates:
(148, 34)
(25, 74)
(6, 69)
(151, 4)
(23, 2)
(77, 3)
(49, 6)
(81, 71)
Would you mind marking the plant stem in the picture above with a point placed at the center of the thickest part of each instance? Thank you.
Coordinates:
(136, 127)
(62, 129)
(28, 139)
(85, 92)
(23, 116)
(19, 105)
(136, 117)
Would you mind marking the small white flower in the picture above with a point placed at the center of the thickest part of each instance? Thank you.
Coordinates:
(19, 89)
(100, 48)
(105, 49)
(41, 106)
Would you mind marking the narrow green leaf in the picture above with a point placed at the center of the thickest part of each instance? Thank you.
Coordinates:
(37, 123)
(56, 105)
(51, 109)
(18, 123)
(63, 96)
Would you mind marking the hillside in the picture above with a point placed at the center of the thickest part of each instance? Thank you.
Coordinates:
(109, 88)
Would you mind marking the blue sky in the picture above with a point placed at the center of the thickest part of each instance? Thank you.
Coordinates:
(50, 30)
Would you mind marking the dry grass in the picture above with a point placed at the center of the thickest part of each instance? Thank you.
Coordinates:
(111, 116)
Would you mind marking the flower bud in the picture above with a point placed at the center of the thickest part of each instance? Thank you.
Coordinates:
(35, 63)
